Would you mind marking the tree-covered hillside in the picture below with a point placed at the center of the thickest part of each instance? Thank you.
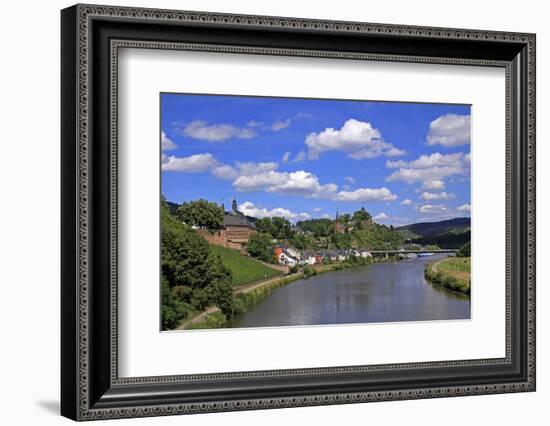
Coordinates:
(423, 229)
(356, 230)
(446, 234)
(445, 240)
(192, 276)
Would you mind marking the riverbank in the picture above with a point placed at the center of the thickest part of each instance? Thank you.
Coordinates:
(247, 296)
(452, 273)
(376, 293)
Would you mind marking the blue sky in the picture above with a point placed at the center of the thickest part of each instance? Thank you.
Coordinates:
(310, 158)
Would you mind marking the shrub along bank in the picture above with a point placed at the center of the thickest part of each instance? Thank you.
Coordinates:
(245, 300)
(452, 273)
(242, 302)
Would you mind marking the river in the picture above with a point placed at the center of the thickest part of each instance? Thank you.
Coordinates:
(382, 292)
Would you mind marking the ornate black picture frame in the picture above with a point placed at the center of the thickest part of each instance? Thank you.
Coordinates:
(91, 36)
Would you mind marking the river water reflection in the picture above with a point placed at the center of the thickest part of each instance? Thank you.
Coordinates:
(382, 292)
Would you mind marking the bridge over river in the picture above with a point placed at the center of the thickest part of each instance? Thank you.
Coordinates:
(403, 251)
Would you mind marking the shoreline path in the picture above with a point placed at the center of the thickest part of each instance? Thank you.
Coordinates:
(213, 309)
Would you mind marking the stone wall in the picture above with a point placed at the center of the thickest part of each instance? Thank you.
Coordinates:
(219, 238)
(239, 234)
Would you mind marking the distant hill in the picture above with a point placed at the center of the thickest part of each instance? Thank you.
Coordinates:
(423, 229)
(445, 240)
(452, 233)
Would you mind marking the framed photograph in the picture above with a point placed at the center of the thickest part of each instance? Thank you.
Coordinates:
(263, 212)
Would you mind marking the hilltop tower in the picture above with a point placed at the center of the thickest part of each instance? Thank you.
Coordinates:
(338, 227)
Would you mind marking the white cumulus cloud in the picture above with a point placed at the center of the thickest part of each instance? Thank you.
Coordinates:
(227, 172)
(406, 202)
(292, 183)
(249, 209)
(433, 184)
(250, 176)
(251, 168)
(301, 156)
(276, 126)
(464, 208)
(279, 125)
(431, 170)
(437, 209)
(305, 184)
(357, 138)
(366, 194)
(450, 130)
(381, 216)
(427, 161)
(166, 143)
(428, 196)
(390, 220)
(193, 164)
(202, 130)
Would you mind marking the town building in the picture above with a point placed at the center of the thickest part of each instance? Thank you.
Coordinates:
(238, 228)
(284, 259)
(293, 252)
(342, 255)
(236, 231)
(309, 258)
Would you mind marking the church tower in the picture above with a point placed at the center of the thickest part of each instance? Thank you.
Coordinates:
(338, 225)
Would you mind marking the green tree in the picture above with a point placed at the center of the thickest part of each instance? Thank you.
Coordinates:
(220, 291)
(218, 272)
(192, 277)
(260, 247)
(277, 227)
(361, 217)
(281, 228)
(465, 250)
(345, 220)
(341, 241)
(303, 241)
(183, 254)
(201, 213)
(173, 309)
(318, 227)
(265, 226)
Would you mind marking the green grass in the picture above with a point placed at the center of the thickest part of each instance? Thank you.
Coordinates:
(453, 273)
(245, 270)
(454, 265)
